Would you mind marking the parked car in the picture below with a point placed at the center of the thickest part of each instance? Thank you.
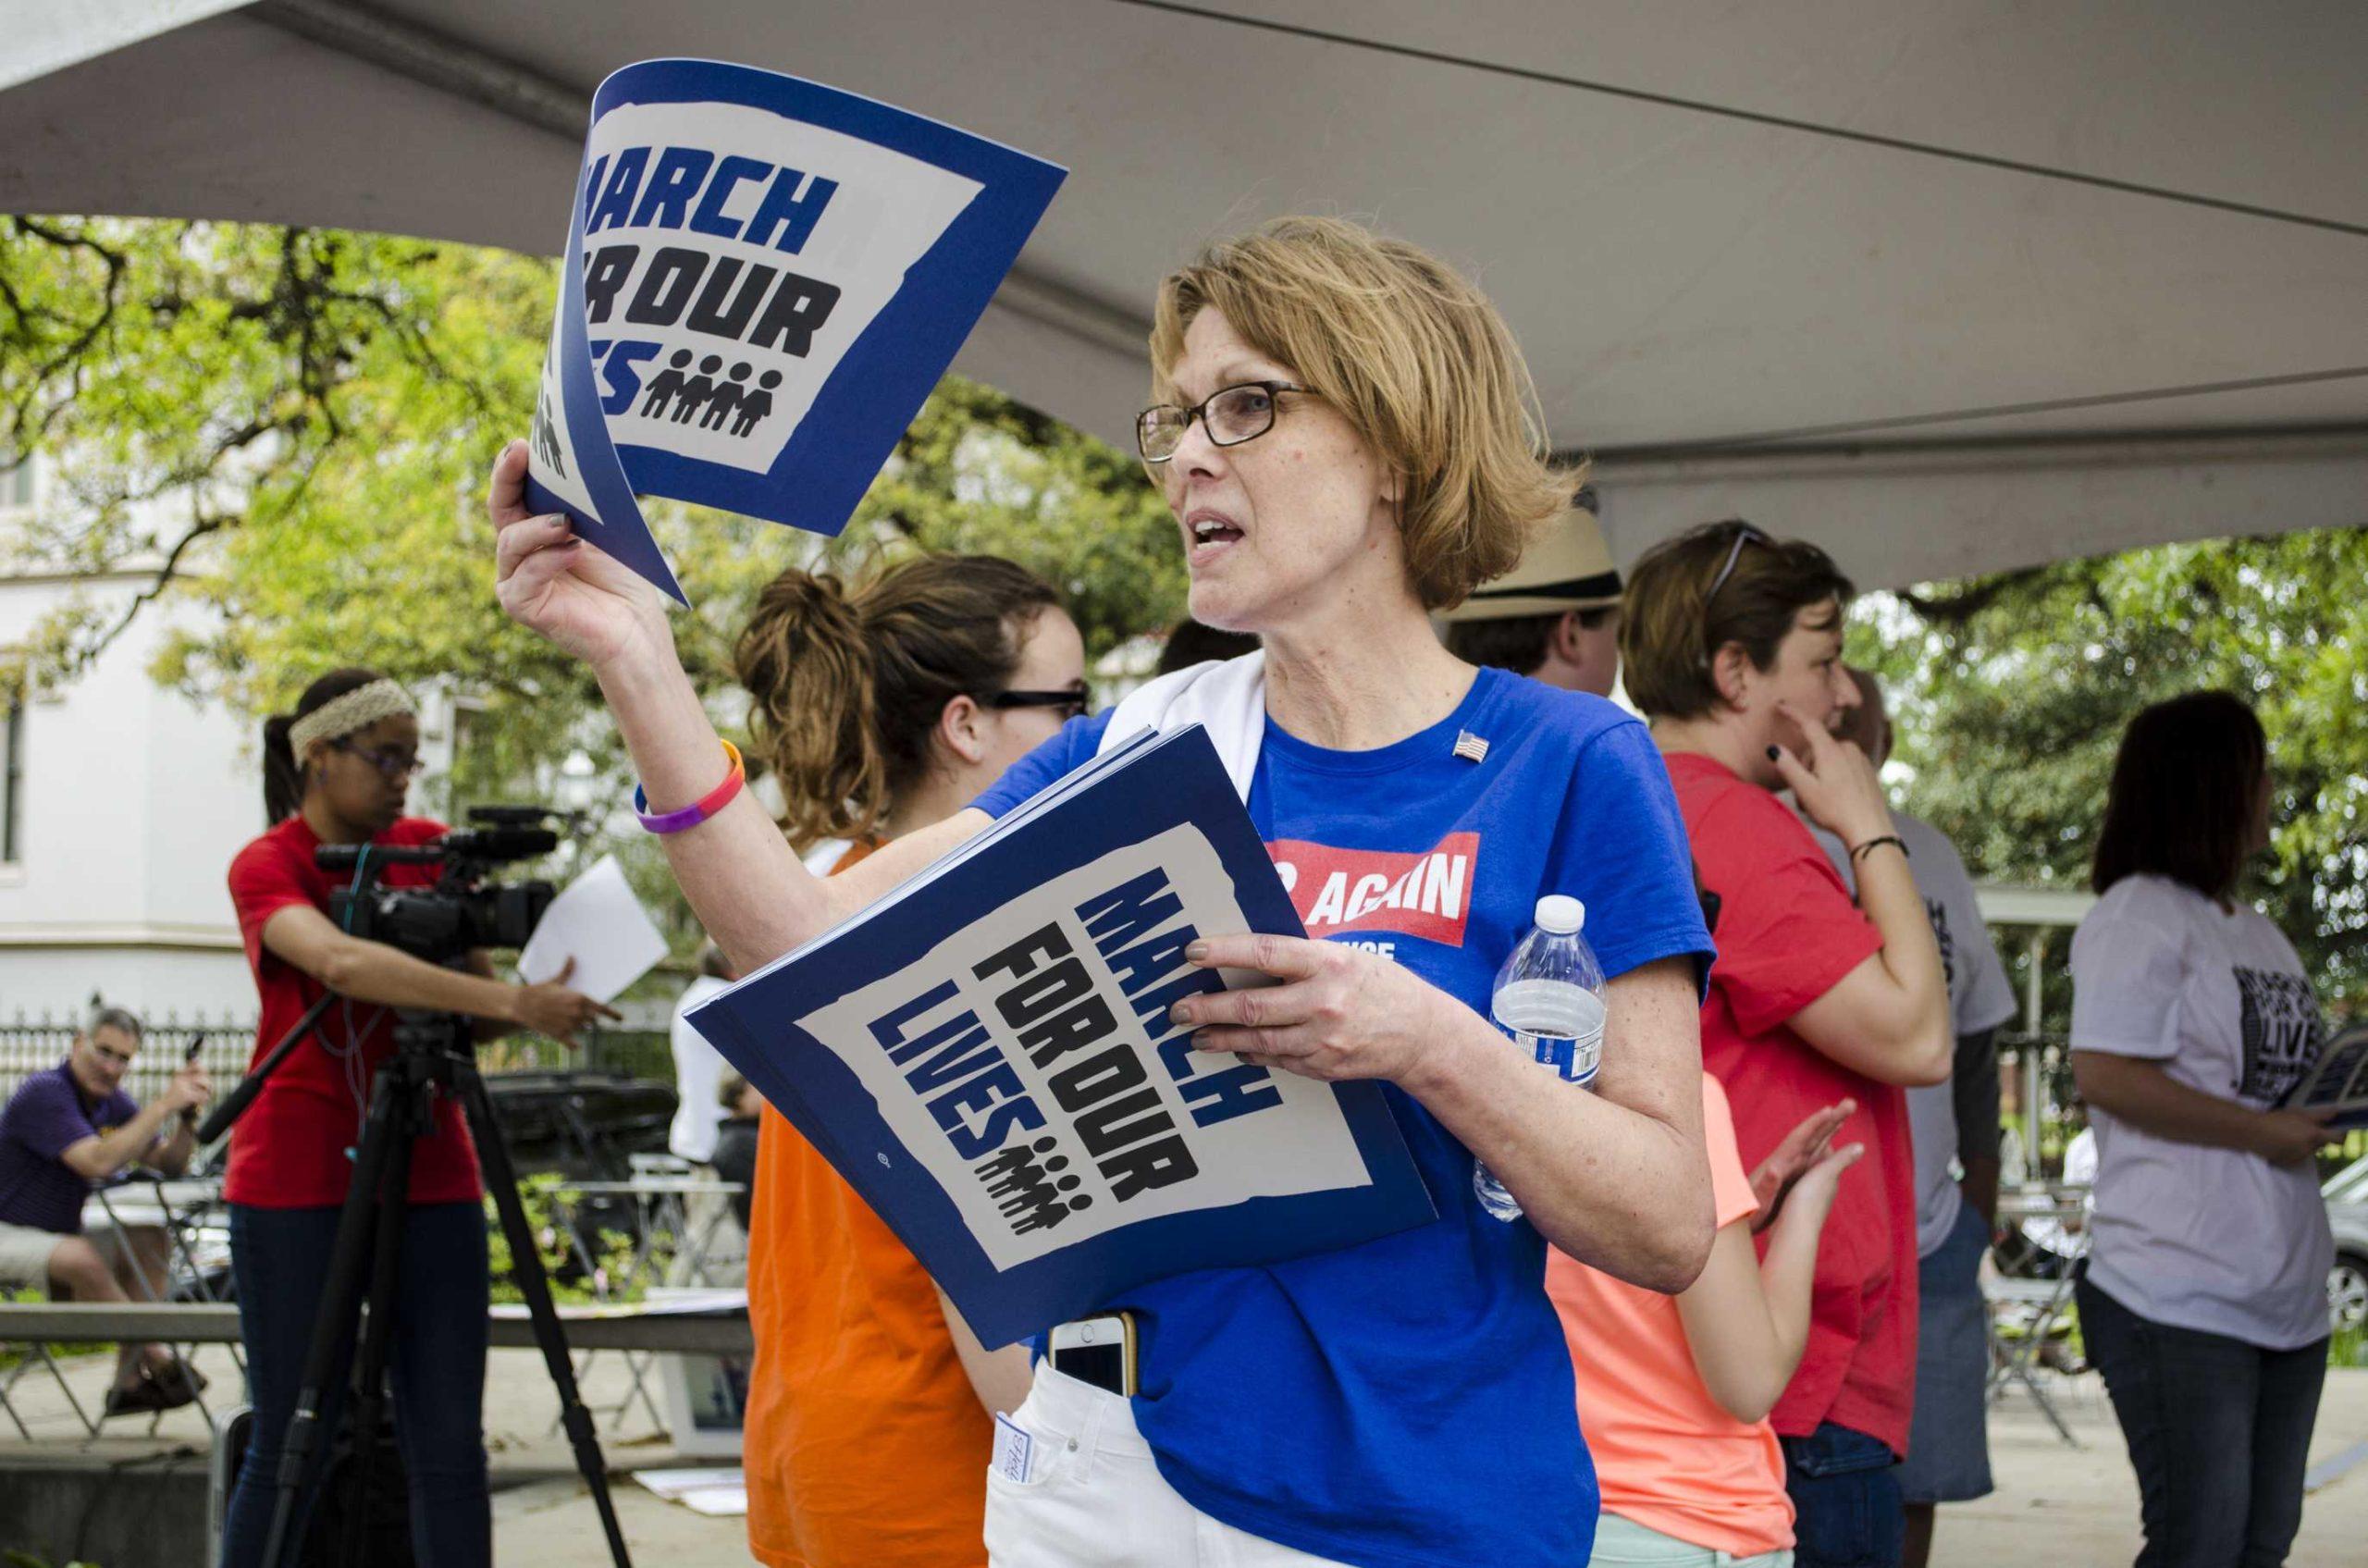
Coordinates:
(2347, 1198)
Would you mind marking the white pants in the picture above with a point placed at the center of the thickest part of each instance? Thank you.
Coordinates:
(1095, 1498)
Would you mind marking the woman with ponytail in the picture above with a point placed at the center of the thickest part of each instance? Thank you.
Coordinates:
(335, 771)
(879, 710)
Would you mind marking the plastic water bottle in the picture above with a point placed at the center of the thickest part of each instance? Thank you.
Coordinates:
(1550, 998)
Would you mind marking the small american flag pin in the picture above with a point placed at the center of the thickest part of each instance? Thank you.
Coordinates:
(1471, 747)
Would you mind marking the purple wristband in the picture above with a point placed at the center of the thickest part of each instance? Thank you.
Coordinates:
(698, 811)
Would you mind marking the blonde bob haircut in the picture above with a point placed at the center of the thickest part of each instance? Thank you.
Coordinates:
(1415, 359)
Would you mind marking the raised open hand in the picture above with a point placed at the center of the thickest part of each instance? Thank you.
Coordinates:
(1800, 1148)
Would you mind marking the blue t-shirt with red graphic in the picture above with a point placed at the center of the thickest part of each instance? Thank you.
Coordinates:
(1408, 1403)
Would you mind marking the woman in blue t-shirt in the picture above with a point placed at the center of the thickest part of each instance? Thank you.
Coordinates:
(1341, 426)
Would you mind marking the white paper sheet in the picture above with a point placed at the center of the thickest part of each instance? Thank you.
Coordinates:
(600, 924)
(673, 1484)
(720, 1494)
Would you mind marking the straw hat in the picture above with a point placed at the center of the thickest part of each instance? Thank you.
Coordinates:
(1566, 567)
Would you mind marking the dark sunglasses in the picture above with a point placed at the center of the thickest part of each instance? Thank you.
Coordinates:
(1072, 703)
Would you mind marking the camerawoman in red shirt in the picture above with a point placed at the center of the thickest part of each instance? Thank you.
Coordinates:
(335, 771)
(1732, 642)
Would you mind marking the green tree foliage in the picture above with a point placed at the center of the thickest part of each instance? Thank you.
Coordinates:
(293, 426)
(2010, 694)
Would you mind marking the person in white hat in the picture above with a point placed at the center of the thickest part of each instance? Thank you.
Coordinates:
(1555, 617)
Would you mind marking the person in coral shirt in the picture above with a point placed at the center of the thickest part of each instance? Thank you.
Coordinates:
(1674, 1391)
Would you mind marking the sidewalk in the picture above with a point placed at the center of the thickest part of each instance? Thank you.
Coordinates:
(2079, 1507)
(542, 1514)
(2055, 1505)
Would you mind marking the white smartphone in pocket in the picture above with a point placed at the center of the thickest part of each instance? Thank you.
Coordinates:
(1100, 1351)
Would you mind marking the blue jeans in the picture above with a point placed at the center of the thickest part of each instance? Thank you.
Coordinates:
(2219, 1433)
(1948, 1442)
(1848, 1512)
(280, 1259)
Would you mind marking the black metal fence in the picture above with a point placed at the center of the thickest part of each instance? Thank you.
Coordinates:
(28, 1045)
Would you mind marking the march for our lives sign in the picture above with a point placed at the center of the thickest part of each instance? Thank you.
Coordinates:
(764, 278)
(986, 1056)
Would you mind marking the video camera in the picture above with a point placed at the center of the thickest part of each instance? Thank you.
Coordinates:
(463, 910)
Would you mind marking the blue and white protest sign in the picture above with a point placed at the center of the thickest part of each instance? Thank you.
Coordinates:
(764, 278)
(987, 1057)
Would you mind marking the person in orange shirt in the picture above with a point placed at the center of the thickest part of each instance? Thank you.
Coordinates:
(880, 710)
(1674, 1391)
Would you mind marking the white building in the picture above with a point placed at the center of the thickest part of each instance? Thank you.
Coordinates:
(121, 804)
(125, 803)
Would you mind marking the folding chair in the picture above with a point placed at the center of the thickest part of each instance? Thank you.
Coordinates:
(2025, 1315)
(121, 1232)
(36, 1354)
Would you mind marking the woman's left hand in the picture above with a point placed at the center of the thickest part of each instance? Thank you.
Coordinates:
(1340, 1012)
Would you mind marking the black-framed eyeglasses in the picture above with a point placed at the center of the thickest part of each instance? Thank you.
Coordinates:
(1230, 414)
(1745, 533)
(393, 764)
(1071, 702)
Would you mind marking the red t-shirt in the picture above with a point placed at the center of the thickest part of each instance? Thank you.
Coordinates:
(1787, 933)
(289, 1150)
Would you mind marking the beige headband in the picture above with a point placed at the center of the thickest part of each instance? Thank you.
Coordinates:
(358, 708)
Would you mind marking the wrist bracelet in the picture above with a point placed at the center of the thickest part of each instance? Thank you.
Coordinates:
(1877, 843)
(699, 811)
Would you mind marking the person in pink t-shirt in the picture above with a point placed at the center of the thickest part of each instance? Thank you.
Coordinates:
(1674, 1391)
(1732, 646)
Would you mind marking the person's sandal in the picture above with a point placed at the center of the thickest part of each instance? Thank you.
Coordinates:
(168, 1388)
(146, 1397)
(181, 1381)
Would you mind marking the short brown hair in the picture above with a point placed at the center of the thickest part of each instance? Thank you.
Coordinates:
(1415, 359)
(2181, 801)
(849, 683)
(1675, 625)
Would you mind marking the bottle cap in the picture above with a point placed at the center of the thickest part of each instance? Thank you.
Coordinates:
(1562, 914)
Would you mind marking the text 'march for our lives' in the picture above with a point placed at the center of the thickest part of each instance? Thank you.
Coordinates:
(763, 278)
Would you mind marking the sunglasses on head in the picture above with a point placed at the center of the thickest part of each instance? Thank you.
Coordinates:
(1744, 534)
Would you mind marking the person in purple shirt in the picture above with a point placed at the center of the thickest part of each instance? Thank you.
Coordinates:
(62, 1131)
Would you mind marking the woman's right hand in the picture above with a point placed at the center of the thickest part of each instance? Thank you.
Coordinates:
(2292, 1137)
(551, 580)
(1835, 782)
(552, 1008)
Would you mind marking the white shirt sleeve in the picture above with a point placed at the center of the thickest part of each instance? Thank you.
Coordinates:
(2080, 1159)
(2128, 968)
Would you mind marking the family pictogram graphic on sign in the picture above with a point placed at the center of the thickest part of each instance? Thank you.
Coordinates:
(1026, 1187)
(679, 393)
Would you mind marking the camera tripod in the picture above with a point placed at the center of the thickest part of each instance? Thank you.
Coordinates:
(432, 1051)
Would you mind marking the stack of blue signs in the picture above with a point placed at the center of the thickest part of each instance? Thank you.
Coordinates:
(985, 1056)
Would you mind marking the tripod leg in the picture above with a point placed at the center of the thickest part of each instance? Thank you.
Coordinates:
(370, 1372)
(526, 1267)
(332, 1328)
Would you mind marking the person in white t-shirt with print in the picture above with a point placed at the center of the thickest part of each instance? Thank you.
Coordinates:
(2203, 1298)
(1953, 1124)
